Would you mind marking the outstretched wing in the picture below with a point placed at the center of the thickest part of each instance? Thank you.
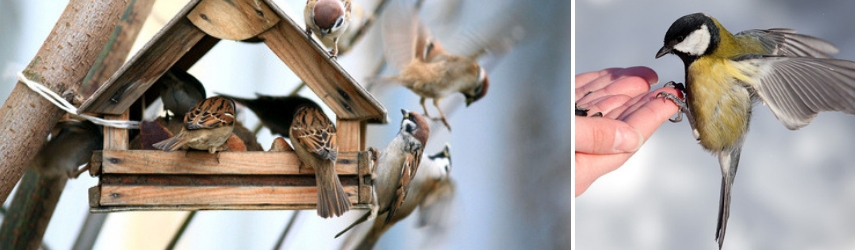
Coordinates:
(787, 42)
(797, 88)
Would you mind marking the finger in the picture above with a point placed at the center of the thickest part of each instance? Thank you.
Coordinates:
(628, 106)
(605, 105)
(590, 167)
(586, 78)
(597, 135)
(631, 81)
(650, 113)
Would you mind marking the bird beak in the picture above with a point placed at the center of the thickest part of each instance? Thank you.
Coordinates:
(469, 101)
(663, 51)
(405, 112)
(323, 33)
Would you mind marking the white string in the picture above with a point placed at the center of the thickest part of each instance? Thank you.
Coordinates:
(60, 102)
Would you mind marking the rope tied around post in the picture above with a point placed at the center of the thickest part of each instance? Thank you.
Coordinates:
(60, 102)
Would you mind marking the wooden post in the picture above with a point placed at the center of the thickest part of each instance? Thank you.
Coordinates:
(61, 64)
(31, 210)
(37, 196)
(121, 41)
(115, 53)
(349, 135)
(115, 138)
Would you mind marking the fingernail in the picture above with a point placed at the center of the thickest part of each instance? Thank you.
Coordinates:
(627, 140)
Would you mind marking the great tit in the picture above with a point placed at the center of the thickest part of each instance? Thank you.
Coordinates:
(793, 74)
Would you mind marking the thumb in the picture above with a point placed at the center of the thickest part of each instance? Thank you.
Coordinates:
(596, 135)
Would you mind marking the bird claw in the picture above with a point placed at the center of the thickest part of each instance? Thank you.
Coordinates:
(444, 122)
(684, 108)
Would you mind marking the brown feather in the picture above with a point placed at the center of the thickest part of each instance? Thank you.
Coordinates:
(211, 113)
(314, 130)
(314, 139)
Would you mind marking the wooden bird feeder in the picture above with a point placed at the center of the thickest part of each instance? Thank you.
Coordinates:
(156, 180)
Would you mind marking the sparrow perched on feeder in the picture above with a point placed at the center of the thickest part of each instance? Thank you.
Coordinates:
(68, 149)
(397, 167)
(206, 127)
(314, 139)
(180, 91)
(430, 191)
(275, 112)
(424, 66)
(328, 19)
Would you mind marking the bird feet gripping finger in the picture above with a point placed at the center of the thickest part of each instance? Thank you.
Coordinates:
(677, 100)
(584, 112)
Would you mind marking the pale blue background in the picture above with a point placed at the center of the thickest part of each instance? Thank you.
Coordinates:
(794, 189)
(510, 149)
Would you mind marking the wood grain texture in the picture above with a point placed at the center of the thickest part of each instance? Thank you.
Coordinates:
(197, 52)
(223, 195)
(303, 180)
(198, 162)
(137, 76)
(116, 138)
(118, 47)
(309, 61)
(127, 208)
(282, 186)
(349, 135)
(234, 19)
(95, 163)
(365, 177)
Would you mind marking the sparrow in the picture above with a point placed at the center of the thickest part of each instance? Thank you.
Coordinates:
(68, 149)
(428, 191)
(328, 19)
(424, 66)
(206, 127)
(275, 112)
(180, 91)
(359, 21)
(314, 139)
(396, 167)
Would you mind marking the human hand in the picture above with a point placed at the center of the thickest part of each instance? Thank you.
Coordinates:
(630, 115)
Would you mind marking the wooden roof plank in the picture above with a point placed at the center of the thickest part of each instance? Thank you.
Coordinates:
(309, 61)
(137, 75)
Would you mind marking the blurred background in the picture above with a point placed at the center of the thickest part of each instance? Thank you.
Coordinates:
(509, 167)
(794, 189)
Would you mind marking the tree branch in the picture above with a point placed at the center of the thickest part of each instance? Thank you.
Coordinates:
(61, 64)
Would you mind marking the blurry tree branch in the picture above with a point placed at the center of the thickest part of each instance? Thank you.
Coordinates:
(61, 64)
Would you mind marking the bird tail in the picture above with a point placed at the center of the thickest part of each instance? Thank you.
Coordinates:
(729, 162)
(171, 144)
(332, 200)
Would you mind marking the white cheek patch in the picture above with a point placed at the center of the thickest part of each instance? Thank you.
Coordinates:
(696, 43)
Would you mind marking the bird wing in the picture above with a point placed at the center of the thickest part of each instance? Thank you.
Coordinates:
(787, 42)
(314, 130)
(401, 30)
(436, 206)
(408, 173)
(797, 88)
(211, 113)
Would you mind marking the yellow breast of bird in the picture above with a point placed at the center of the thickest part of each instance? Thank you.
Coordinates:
(719, 100)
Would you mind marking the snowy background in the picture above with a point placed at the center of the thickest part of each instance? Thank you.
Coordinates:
(794, 189)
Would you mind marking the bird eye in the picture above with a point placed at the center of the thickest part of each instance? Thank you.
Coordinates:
(680, 38)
